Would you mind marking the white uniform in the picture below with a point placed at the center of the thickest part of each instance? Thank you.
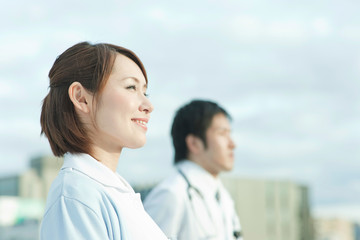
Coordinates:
(89, 201)
(185, 205)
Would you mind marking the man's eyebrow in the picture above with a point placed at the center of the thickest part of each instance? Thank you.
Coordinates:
(223, 129)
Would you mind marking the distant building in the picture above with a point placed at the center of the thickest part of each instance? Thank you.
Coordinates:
(357, 231)
(336, 229)
(23, 196)
(9, 185)
(35, 182)
(271, 210)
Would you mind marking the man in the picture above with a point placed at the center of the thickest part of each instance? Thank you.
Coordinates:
(193, 204)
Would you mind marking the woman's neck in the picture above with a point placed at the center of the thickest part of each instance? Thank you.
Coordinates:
(109, 159)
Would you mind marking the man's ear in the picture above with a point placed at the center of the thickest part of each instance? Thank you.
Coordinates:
(80, 97)
(194, 144)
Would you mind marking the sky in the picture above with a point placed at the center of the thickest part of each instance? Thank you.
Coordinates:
(287, 71)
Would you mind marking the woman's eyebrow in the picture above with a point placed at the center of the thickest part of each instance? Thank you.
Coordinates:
(136, 80)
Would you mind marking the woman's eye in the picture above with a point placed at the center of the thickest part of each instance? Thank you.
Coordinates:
(133, 87)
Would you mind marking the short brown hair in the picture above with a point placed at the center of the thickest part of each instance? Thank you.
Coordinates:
(90, 65)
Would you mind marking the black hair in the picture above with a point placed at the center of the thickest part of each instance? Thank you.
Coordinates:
(193, 118)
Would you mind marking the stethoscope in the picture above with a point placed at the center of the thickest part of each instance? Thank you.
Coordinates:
(236, 233)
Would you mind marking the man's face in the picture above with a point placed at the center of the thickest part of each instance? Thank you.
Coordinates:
(218, 156)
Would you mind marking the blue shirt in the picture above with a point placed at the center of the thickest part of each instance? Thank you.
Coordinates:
(89, 201)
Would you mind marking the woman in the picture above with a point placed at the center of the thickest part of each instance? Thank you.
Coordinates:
(96, 106)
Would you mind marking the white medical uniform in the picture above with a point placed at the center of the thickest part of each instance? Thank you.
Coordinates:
(89, 201)
(201, 217)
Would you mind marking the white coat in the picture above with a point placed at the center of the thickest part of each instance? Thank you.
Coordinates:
(89, 201)
(193, 213)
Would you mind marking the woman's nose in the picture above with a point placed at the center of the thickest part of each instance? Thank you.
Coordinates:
(146, 106)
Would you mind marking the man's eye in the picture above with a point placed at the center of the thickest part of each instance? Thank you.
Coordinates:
(224, 133)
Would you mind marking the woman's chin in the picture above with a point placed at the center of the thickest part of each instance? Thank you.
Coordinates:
(137, 144)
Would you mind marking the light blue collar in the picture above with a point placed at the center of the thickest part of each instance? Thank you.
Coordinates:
(89, 166)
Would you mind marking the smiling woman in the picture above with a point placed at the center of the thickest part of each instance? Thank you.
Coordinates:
(124, 110)
(96, 106)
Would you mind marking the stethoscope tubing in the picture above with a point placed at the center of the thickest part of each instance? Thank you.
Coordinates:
(237, 234)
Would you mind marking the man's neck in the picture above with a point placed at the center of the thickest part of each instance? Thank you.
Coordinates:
(201, 162)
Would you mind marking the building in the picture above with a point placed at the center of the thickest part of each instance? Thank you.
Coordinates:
(357, 231)
(35, 182)
(271, 210)
(9, 185)
(23, 197)
(336, 229)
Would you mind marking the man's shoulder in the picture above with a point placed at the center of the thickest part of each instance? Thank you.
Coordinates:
(171, 188)
(174, 183)
(226, 195)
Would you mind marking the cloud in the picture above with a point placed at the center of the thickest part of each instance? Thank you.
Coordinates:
(249, 28)
(7, 89)
(351, 32)
(14, 47)
(322, 27)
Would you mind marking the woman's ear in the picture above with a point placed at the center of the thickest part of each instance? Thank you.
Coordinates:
(80, 97)
(194, 144)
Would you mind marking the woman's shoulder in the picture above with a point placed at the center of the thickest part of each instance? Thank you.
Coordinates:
(76, 186)
(75, 208)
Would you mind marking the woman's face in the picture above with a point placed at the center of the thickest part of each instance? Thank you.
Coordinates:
(123, 110)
